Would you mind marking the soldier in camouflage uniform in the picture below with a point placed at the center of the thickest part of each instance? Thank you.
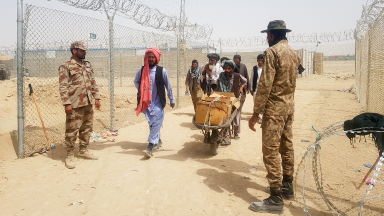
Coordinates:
(275, 99)
(78, 91)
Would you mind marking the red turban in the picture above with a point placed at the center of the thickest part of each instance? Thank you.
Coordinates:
(145, 85)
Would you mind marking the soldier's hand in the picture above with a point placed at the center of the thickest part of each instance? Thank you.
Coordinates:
(252, 93)
(173, 106)
(68, 109)
(97, 104)
(248, 91)
(253, 121)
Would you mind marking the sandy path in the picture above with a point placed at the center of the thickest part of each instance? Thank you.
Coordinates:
(181, 179)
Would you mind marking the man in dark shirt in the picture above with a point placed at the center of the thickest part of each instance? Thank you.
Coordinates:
(255, 75)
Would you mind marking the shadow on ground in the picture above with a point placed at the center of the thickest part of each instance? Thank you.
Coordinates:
(187, 114)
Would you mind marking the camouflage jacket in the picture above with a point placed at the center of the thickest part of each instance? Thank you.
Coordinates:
(77, 84)
(276, 89)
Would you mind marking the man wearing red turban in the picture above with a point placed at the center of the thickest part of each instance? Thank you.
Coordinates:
(151, 81)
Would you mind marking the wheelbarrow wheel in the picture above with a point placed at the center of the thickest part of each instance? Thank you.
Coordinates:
(215, 148)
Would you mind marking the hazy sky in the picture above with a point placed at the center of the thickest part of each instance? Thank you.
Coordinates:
(230, 19)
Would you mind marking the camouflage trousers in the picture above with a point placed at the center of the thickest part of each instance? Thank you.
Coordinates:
(80, 121)
(277, 139)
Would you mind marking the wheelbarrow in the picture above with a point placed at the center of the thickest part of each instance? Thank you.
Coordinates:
(215, 135)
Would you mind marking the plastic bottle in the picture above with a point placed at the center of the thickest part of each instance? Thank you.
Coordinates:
(186, 95)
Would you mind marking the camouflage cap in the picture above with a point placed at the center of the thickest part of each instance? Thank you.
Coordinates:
(79, 45)
(276, 25)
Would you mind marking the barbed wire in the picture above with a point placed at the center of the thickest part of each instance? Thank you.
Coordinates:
(145, 16)
(293, 38)
(11, 47)
(322, 37)
(372, 11)
(85, 4)
(198, 32)
(8, 51)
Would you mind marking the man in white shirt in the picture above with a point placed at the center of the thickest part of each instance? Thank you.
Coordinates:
(255, 77)
(210, 74)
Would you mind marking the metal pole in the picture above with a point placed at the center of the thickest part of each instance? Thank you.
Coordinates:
(178, 70)
(358, 96)
(180, 33)
(111, 74)
(19, 57)
(314, 62)
(360, 68)
(367, 104)
(221, 51)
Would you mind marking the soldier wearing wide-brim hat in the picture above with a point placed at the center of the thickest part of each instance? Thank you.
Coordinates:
(79, 92)
(278, 25)
(275, 99)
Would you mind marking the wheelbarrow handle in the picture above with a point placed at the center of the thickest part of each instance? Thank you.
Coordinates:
(30, 89)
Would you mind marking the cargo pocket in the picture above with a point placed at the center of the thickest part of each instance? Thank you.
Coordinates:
(271, 123)
(76, 77)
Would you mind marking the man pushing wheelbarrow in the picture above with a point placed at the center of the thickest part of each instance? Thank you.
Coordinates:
(215, 114)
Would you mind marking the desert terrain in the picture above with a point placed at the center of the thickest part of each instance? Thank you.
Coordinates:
(182, 178)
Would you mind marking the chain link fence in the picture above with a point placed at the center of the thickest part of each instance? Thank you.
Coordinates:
(336, 64)
(48, 34)
(370, 67)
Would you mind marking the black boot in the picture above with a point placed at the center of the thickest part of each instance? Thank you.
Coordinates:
(148, 152)
(287, 188)
(274, 204)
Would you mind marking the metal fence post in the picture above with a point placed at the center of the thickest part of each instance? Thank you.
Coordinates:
(220, 47)
(178, 70)
(361, 69)
(314, 63)
(367, 108)
(19, 56)
(357, 87)
(111, 74)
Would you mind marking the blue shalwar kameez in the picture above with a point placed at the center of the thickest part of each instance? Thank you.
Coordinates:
(155, 112)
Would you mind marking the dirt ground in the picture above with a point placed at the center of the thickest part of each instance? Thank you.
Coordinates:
(183, 178)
